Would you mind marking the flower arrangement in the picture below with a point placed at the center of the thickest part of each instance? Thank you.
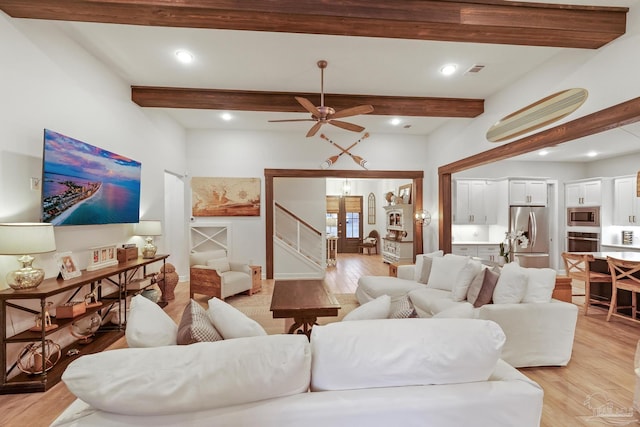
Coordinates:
(512, 238)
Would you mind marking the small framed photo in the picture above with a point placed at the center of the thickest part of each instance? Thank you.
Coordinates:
(404, 191)
(102, 256)
(68, 265)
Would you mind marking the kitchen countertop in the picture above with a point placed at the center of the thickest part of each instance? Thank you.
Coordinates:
(627, 256)
(621, 246)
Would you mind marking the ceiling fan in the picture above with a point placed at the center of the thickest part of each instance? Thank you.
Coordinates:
(324, 114)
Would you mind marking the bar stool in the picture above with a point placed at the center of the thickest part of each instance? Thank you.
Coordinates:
(577, 267)
(622, 273)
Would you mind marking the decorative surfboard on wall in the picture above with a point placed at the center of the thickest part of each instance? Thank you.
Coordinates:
(540, 113)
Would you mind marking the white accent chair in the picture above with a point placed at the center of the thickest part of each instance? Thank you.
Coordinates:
(212, 274)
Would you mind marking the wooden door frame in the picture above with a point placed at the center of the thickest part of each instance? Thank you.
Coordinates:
(269, 174)
(609, 118)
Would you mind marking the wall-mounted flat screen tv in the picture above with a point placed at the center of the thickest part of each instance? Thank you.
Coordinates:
(83, 184)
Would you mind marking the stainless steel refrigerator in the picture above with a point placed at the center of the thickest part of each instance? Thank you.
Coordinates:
(534, 222)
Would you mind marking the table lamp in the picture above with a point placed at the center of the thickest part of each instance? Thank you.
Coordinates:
(23, 238)
(149, 228)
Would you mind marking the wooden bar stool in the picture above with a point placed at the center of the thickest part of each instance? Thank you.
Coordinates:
(577, 267)
(622, 273)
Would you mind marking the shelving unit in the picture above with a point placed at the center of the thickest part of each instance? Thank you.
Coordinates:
(397, 245)
(118, 275)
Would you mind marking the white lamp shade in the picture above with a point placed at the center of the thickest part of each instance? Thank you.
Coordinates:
(149, 228)
(21, 238)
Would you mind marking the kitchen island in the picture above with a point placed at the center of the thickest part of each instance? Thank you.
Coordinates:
(602, 291)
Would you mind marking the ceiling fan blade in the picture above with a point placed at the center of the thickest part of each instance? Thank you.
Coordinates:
(308, 105)
(292, 120)
(314, 129)
(347, 126)
(353, 111)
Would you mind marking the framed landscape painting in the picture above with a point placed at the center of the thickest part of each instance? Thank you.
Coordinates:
(225, 196)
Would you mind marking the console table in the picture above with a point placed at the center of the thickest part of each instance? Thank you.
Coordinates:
(118, 275)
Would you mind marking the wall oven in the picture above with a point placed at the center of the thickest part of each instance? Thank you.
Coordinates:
(578, 241)
(585, 216)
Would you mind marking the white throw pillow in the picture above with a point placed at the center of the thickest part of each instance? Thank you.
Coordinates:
(231, 322)
(375, 309)
(421, 274)
(511, 286)
(464, 279)
(220, 264)
(403, 352)
(191, 378)
(148, 325)
(540, 284)
(444, 271)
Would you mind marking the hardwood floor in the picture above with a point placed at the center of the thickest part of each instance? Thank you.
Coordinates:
(600, 371)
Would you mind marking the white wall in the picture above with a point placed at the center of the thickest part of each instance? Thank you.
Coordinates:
(609, 74)
(47, 81)
(219, 153)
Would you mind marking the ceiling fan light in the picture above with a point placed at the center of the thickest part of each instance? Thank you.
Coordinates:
(184, 56)
(448, 69)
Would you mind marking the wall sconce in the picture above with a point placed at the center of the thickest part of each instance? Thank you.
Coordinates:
(149, 228)
(423, 216)
(24, 238)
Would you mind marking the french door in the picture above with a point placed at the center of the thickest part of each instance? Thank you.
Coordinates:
(344, 220)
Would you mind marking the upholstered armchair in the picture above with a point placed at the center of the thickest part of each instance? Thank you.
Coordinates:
(212, 274)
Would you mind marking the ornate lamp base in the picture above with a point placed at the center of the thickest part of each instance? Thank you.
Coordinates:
(27, 277)
(149, 250)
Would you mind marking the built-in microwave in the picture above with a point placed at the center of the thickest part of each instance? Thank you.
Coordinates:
(584, 216)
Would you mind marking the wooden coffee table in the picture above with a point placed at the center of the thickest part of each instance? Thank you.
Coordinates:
(304, 301)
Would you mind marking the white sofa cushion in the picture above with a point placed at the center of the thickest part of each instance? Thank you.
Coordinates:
(423, 266)
(179, 379)
(459, 311)
(375, 309)
(540, 284)
(148, 325)
(403, 352)
(219, 264)
(464, 279)
(511, 286)
(444, 270)
(428, 302)
(401, 308)
(371, 287)
(231, 322)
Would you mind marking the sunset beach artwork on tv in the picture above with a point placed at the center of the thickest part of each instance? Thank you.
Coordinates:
(83, 184)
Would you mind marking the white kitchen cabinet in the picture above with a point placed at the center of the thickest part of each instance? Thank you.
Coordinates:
(474, 202)
(587, 193)
(484, 252)
(489, 252)
(465, 250)
(625, 203)
(527, 192)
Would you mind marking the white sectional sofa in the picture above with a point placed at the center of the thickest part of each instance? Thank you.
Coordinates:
(409, 372)
(539, 330)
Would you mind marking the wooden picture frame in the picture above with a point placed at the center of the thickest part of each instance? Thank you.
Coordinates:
(102, 256)
(404, 191)
(68, 265)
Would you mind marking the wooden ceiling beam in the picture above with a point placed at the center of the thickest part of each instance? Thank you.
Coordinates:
(475, 21)
(242, 100)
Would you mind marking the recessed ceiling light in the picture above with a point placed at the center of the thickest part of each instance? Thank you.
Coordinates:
(226, 116)
(543, 152)
(395, 121)
(592, 154)
(449, 69)
(184, 56)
